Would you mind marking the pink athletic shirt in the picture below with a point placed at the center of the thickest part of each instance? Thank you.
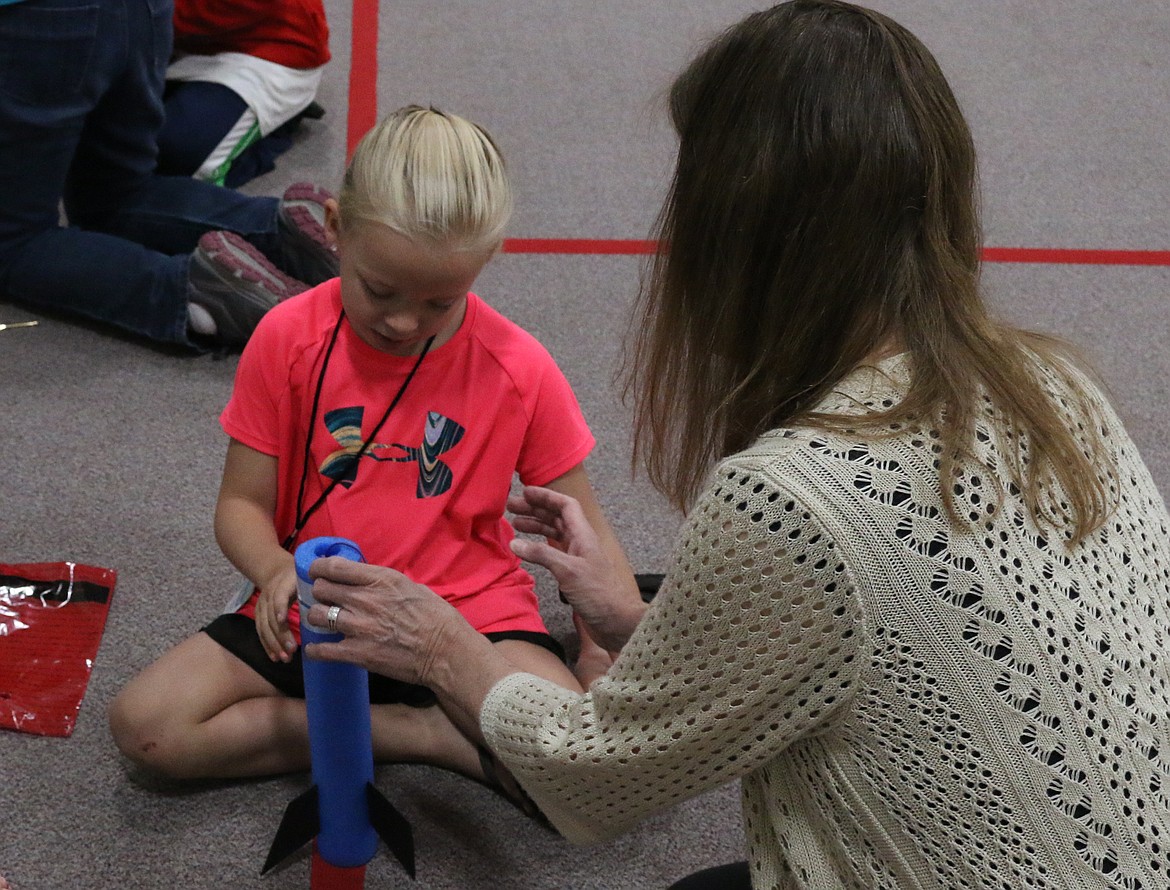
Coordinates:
(428, 498)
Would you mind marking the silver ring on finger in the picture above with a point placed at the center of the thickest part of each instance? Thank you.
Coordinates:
(331, 618)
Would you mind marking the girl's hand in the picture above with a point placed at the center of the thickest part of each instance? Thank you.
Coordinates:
(598, 590)
(276, 593)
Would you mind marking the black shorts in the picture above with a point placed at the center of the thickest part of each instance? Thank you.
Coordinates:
(237, 634)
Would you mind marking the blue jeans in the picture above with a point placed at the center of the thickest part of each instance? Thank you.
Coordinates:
(81, 85)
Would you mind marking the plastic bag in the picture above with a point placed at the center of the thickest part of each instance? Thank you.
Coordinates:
(52, 616)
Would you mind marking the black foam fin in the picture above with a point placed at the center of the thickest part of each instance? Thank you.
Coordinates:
(299, 825)
(392, 827)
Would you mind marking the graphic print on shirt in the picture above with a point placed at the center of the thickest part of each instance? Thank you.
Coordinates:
(440, 435)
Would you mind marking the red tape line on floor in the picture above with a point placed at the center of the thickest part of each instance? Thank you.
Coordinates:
(578, 245)
(1054, 256)
(363, 73)
(1076, 257)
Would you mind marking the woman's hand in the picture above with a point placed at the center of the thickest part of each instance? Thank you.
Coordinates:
(276, 593)
(392, 626)
(601, 591)
(403, 630)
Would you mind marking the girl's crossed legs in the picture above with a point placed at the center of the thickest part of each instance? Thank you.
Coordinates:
(199, 711)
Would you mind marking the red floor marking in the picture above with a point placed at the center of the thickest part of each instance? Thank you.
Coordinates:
(363, 114)
(1053, 256)
(1077, 257)
(577, 245)
(363, 73)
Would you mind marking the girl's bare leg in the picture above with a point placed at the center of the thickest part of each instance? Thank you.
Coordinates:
(533, 659)
(200, 712)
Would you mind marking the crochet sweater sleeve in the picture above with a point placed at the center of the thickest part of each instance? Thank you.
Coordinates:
(751, 645)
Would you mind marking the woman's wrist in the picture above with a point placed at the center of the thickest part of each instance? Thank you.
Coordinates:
(462, 666)
(624, 625)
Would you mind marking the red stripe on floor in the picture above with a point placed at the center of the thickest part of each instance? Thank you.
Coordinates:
(1043, 255)
(363, 73)
(577, 245)
(1077, 257)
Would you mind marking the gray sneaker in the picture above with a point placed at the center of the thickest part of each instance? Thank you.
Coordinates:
(236, 284)
(307, 250)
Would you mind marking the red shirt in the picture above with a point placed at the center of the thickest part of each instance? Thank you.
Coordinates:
(293, 33)
(429, 498)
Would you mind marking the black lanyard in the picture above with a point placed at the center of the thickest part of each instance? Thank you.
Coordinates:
(303, 518)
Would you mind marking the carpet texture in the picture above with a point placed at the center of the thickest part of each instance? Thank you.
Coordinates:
(110, 450)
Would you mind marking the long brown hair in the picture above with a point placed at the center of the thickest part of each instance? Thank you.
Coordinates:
(824, 204)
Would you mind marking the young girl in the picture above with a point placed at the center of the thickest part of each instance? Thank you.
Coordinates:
(392, 407)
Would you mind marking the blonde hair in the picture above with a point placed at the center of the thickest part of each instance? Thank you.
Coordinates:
(429, 175)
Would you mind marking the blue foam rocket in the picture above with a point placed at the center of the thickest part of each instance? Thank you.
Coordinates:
(343, 811)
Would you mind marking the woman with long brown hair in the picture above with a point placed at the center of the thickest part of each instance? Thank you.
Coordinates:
(920, 601)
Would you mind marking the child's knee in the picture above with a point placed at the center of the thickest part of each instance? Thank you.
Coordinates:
(144, 735)
(130, 726)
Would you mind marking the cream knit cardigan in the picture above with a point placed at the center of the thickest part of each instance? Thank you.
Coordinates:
(908, 706)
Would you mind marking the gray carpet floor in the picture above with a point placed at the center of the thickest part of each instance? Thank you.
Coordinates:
(110, 450)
